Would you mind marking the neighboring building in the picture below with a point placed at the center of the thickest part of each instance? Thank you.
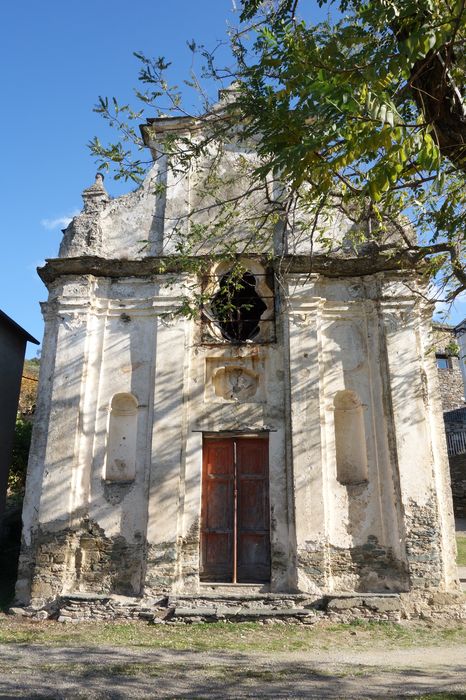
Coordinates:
(13, 341)
(294, 442)
(452, 392)
(450, 353)
(460, 339)
(455, 428)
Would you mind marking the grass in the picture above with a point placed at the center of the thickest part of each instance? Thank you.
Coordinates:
(441, 696)
(223, 636)
(461, 544)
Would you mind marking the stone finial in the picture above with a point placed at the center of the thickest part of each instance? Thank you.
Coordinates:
(95, 197)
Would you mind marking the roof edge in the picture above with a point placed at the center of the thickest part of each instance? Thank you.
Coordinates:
(18, 328)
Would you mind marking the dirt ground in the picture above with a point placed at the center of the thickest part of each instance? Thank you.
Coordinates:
(35, 671)
(333, 666)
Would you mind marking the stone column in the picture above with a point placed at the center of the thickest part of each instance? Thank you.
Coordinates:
(166, 485)
(420, 450)
(57, 442)
(37, 451)
(306, 436)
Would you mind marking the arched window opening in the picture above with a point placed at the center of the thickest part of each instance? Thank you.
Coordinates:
(238, 307)
(120, 463)
(350, 438)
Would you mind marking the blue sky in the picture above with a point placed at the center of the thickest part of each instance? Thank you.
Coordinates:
(56, 58)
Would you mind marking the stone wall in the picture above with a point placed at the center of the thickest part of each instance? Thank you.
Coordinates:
(452, 394)
(450, 378)
(451, 386)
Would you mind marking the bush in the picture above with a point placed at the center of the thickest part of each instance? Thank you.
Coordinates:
(19, 459)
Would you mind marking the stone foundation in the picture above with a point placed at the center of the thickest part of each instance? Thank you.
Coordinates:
(423, 548)
(83, 559)
(368, 567)
(293, 608)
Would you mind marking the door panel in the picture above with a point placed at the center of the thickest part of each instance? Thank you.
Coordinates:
(218, 494)
(217, 511)
(252, 506)
(240, 462)
(253, 528)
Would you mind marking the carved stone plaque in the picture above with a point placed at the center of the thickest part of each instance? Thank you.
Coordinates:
(235, 383)
(238, 380)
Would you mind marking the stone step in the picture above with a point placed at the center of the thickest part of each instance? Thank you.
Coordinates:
(235, 599)
(232, 605)
(238, 613)
(377, 602)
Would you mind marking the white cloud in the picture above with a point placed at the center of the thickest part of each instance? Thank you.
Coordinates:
(59, 222)
(34, 265)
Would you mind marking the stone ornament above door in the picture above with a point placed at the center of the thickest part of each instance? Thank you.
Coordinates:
(235, 383)
(239, 380)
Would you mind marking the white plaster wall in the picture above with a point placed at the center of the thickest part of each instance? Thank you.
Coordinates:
(40, 435)
(335, 345)
(168, 432)
(442, 484)
(119, 336)
(306, 437)
(418, 433)
(132, 225)
(71, 304)
(217, 189)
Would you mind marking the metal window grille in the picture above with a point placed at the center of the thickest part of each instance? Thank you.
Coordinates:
(208, 317)
(456, 443)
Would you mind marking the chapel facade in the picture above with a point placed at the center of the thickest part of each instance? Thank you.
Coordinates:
(294, 443)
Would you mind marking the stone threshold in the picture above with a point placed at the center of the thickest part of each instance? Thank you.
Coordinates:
(241, 595)
(234, 588)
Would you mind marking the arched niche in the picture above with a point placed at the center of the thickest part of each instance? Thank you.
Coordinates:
(350, 438)
(120, 463)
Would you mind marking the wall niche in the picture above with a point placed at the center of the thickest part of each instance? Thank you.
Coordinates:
(350, 438)
(120, 463)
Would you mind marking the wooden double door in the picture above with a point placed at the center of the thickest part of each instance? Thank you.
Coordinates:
(235, 519)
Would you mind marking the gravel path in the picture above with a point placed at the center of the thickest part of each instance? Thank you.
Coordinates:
(36, 671)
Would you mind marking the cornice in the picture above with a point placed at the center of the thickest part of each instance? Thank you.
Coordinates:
(325, 265)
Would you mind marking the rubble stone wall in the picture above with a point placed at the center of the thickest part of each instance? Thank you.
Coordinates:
(451, 386)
